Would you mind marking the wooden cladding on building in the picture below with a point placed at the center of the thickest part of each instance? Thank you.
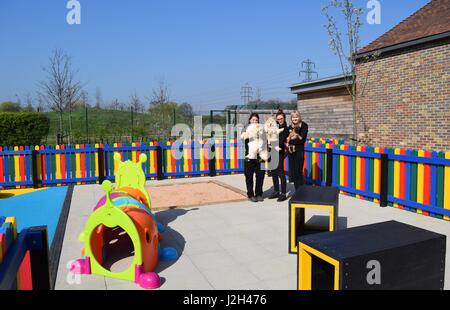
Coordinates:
(327, 112)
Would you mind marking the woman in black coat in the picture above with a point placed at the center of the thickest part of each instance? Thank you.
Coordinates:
(298, 134)
(278, 175)
(252, 167)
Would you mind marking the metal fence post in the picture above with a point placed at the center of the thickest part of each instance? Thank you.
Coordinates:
(101, 165)
(34, 168)
(159, 162)
(329, 176)
(37, 244)
(384, 180)
(212, 161)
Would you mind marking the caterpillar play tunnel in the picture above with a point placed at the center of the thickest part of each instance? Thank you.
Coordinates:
(122, 221)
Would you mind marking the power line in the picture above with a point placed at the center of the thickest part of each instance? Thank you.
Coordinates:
(246, 93)
(309, 72)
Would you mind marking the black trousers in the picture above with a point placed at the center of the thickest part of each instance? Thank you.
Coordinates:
(278, 176)
(296, 161)
(253, 167)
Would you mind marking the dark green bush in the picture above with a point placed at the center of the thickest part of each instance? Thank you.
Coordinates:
(9, 106)
(22, 128)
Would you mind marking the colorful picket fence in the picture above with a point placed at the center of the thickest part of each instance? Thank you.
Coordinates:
(315, 165)
(15, 166)
(8, 236)
(128, 153)
(418, 181)
(229, 156)
(357, 171)
(57, 165)
(326, 141)
(193, 157)
(186, 159)
(61, 164)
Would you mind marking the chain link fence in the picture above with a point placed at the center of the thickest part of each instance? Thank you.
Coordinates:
(93, 125)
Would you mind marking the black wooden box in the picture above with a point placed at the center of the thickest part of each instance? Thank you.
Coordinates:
(388, 256)
(311, 197)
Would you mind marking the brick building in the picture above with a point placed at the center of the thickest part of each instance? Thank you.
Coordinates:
(326, 106)
(406, 102)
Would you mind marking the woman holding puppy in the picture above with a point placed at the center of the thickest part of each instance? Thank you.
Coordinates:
(278, 173)
(295, 144)
(253, 167)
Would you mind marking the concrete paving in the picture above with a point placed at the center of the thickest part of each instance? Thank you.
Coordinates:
(240, 245)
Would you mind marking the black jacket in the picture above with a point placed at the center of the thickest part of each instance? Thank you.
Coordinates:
(303, 132)
(283, 137)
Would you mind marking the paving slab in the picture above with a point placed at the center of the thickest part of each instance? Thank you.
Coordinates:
(237, 245)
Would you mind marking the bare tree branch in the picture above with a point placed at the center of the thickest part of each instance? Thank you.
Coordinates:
(351, 16)
(135, 103)
(160, 95)
(60, 89)
(373, 59)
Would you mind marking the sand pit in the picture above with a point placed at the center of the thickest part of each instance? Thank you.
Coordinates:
(192, 194)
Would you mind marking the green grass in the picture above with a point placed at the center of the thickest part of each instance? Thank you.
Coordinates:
(109, 126)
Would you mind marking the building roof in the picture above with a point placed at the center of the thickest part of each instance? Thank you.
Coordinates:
(432, 20)
(321, 84)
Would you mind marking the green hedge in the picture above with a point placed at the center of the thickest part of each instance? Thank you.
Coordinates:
(23, 128)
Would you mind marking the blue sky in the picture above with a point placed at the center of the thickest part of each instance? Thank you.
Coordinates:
(205, 50)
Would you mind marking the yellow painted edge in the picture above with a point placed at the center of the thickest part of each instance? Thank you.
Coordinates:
(58, 163)
(305, 267)
(152, 160)
(202, 159)
(358, 171)
(96, 160)
(447, 187)
(341, 167)
(16, 166)
(186, 156)
(420, 176)
(396, 177)
(377, 167)
(77, 161)
(311, 206)
(293, 239)
(168, 159)
(294, 206)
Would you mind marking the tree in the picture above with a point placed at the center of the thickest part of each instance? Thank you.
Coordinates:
(163, 117)
(186, 110)
(347, 48)
(28, 108)
(98, 98)
(115, 104)
(29, 103)
(258, 99)
(135, 103)
(84, 98)
(9, 106)
(61, 89)
(160, 95)
(40, 104)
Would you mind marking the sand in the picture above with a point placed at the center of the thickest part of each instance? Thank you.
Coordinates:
(192, 194)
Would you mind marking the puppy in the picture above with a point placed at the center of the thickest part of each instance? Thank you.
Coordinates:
(254, 134)
(273, 132)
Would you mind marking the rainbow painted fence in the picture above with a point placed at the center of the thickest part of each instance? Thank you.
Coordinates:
(80, 164)
(23, 257)
(416, 181)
